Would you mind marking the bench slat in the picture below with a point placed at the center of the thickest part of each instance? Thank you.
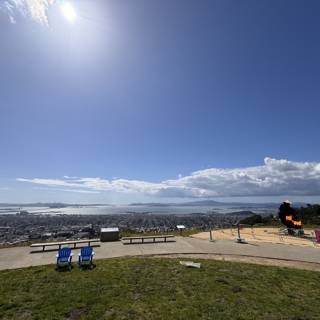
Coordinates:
(59, 243)
(147, 237)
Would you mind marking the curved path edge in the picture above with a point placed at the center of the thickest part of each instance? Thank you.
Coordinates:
(262, 253)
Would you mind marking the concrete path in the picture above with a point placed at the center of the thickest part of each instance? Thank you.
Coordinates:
(278, 254)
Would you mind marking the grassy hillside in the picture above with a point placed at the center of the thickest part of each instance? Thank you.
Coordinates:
(143, 288)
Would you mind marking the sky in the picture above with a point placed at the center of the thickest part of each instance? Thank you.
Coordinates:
(148, 100)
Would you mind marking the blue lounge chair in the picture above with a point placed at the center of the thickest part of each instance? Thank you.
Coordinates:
(64, 258)
(86, 256)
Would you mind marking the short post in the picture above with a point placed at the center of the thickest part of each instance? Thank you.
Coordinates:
(239, 239)
(211, 236)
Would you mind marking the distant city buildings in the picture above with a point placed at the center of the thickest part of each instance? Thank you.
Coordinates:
(24, 228)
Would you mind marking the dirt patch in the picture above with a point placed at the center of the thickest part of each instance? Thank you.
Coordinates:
(26, 315)
(109, 313)
(267, 234)
(247, 259)
(77, 314)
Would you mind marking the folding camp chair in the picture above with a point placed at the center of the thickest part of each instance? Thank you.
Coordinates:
(316, 239)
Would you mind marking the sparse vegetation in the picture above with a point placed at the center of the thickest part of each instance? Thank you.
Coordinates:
(310, 214)
(184, 233)
(145, 288)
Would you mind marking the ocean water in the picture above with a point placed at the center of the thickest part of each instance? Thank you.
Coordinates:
(97, 210)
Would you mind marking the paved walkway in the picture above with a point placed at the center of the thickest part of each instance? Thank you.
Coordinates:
(266, 253)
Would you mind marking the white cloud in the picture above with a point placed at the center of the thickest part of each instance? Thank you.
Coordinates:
(68, 190)
(35, 9)
(274, 177)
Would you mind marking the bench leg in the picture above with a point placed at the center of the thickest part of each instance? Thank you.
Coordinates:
(89, 243)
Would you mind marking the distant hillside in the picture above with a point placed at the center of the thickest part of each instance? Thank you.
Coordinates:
(211, 203)
(310, 214)
(50, 205)
(240, 213)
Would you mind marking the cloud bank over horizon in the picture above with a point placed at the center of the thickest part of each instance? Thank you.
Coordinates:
(273, 178)
(34, 9)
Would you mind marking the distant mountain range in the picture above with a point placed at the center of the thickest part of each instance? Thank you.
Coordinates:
(51, 205)
(212, 203)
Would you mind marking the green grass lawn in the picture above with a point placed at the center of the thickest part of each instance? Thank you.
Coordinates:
(145, 288)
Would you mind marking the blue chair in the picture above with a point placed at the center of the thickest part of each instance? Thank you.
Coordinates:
(86, 256)
(64, 258)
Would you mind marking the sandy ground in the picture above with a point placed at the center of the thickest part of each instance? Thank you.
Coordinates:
(259, 235)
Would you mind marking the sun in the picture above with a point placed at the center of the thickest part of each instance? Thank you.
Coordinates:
(68, 11)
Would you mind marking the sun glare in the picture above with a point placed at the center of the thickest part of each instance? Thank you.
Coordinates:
(68, 12)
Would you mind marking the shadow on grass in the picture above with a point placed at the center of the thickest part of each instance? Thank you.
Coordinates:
(87, 267)
(64, 268)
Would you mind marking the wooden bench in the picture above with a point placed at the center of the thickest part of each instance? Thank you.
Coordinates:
(63, 243)
(143, 238)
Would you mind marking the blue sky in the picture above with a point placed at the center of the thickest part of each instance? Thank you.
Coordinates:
(152, 100)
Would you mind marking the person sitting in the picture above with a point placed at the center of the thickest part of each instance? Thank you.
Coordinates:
(288, 217)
